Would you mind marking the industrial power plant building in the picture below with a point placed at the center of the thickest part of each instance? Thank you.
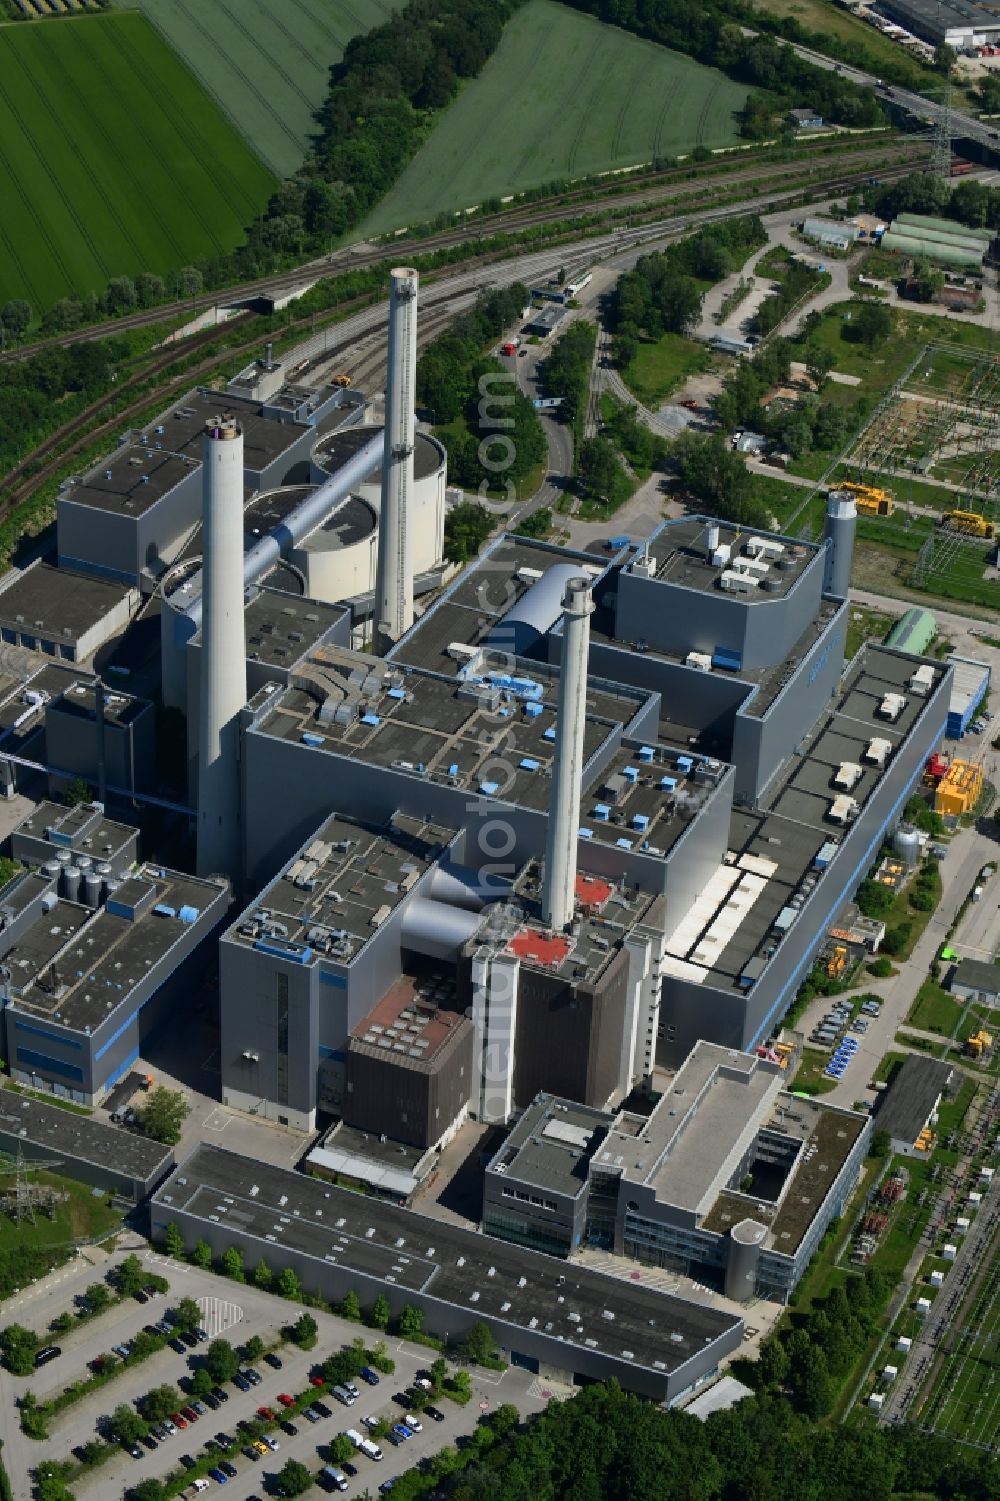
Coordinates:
(572, 1325)
(728, 1176)
(583, 818)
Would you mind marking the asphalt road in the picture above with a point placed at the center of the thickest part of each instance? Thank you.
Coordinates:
(258, 1313)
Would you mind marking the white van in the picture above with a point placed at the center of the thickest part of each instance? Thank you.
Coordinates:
(364, 1444)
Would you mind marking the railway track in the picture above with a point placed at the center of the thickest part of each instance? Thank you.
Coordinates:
(58, 449)
(862, 161)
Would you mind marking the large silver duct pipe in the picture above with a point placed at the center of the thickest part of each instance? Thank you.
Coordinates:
(223, 665)
(559, 887)
(394, 577)
(303, 520)
(436, 929)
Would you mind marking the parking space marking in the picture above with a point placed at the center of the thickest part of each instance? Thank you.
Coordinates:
(219, 1315)
(216, 1121)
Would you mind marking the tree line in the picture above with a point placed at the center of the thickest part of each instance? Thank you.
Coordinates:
(489, 427)
(607, 1446)
(664, 292)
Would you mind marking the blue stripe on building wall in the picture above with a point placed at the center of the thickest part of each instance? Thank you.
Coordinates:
(336, 1053)
(48, 1065)
(338, 981)
(56, 1037)
(115, 1035)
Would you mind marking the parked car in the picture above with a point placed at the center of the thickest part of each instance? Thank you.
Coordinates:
(412, 1422)
(252, 1452)
(228, 1469)
(289, 1428)
(367, 1374)
(309, 1415)
(286, 1400)
(241, 1381)
(317, 1380)
(274, 1361)
(219, 1394)
(322, 1409)
(435, 1414)
(179, 1419)
(254, 1377)
(211, 1401)
(218, 1477)
(272, 1443)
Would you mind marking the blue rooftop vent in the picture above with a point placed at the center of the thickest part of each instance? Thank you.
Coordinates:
(646, 753)
(453, 769)
(550, 733)
(624, 844)
(684, 764)
(369, 719)
(488, 788)
(668, 783)
(189, 915)
(315, 741)
(396, 693)
(527, 764)
(603, 812)
(585, 833)
(162, 910)
(630, 773)
(641, 822)
(532, 710)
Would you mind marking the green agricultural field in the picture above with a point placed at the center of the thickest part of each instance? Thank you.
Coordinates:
(265, 64)
(562, 96)
(112, 160)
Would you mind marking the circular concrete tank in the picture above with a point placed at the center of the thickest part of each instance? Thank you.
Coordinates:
(430, 477)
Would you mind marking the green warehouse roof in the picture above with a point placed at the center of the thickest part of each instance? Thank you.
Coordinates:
(913, 632)
(927, 221)
(946, 255)
(941, 236)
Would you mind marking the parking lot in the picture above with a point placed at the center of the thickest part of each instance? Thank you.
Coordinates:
(239, 1311)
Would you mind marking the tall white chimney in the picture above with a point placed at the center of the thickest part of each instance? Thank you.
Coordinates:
(394, 578)
(223, 650)
(559, 887)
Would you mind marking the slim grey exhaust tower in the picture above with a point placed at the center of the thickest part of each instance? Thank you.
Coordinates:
(394, 578)
(838, 534)
(223, 655)
(559, 886)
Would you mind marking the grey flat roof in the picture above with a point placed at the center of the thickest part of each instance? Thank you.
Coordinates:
(950, 13)
(540, 1151)
(80, 701)
(341, 877)
(110, 956)
(978, 975)
(971, 678)
(131, 480)
(82, 827)
(793, 824)
(485, 1277)
(679, 1149)
(681, 557)
(333, 451)
(56, 602)
(906, 1106)
(64, 1133)
(283, 628)
(418, 719)
(472, 605)
(183, 424)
